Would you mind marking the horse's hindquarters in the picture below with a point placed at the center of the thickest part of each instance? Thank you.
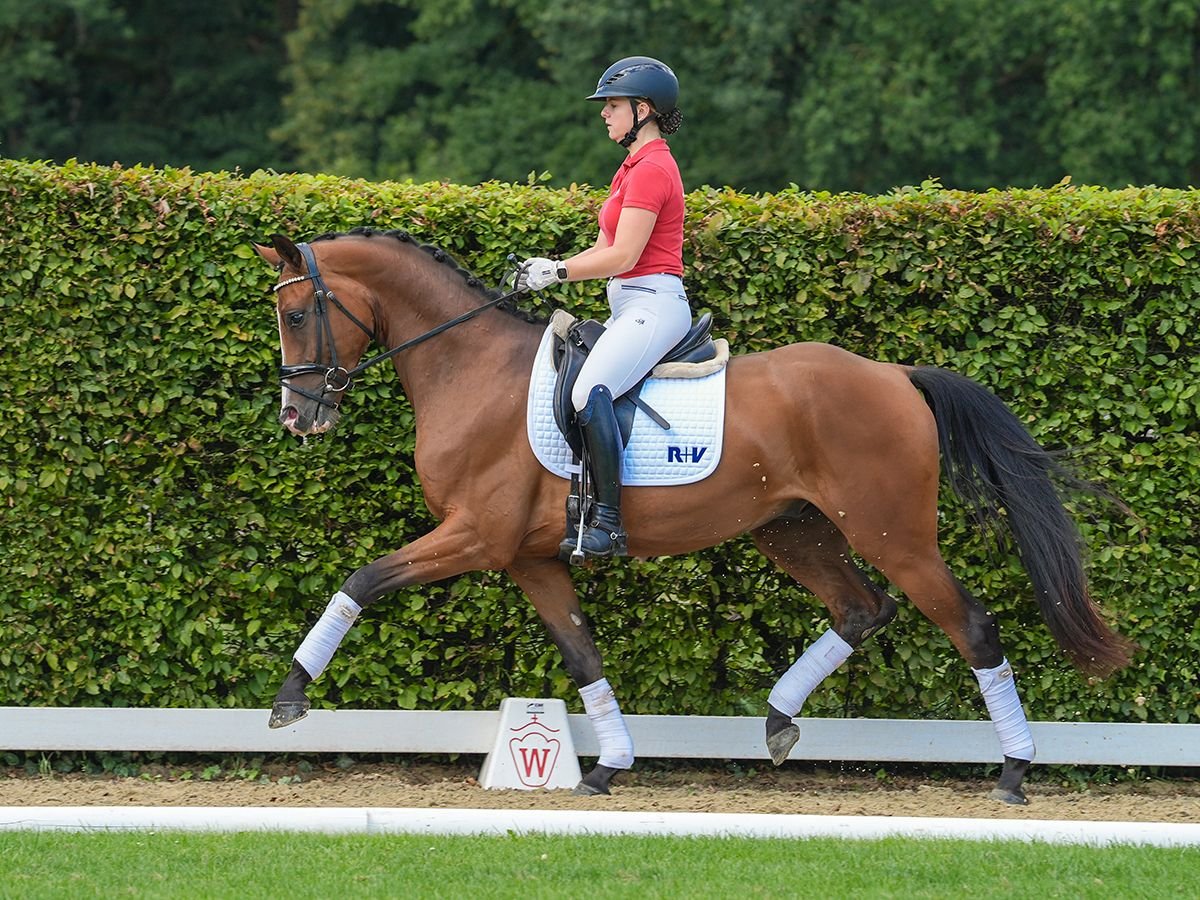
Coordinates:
(807, 423)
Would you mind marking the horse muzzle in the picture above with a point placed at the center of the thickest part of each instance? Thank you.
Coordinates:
(303, 423)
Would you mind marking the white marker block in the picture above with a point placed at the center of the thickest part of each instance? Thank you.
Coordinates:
(533, 747)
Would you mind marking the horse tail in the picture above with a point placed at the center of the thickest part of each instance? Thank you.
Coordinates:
(996, 467)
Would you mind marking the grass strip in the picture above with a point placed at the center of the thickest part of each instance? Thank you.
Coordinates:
(299, 866)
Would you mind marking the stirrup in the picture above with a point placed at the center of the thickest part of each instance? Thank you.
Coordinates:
(574, 552)
(576, 510)
(604, 536)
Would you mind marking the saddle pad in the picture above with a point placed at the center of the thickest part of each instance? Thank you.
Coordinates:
(688, 452)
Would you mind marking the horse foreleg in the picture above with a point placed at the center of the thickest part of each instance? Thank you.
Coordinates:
(311, 657)
(547, 583)
(810, 549)
(448, 550)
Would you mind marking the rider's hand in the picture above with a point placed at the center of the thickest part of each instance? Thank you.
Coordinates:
(538, 272)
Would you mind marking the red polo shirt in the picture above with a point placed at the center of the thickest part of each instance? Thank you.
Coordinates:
(649, 179)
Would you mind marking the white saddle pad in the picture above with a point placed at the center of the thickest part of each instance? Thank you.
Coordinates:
(688, 452)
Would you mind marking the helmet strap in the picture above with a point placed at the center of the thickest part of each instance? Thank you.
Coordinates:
(632, 134)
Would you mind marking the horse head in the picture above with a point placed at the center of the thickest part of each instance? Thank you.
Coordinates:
(326, 322)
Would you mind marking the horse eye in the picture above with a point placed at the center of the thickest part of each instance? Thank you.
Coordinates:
(295, 319)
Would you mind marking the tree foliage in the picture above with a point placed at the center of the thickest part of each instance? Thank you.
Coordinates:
(859, 95)
(141, 81)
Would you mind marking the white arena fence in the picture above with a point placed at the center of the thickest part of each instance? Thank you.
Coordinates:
(672, 737)
(503, 822)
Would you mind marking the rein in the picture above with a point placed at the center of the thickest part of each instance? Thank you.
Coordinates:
(337, 378)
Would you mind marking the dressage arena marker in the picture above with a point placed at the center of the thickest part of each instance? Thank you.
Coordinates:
(533, 747)
(378, 820)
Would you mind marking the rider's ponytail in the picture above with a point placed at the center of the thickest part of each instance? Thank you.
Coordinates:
(669, 124)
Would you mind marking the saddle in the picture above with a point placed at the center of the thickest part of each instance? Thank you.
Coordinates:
(574, 340)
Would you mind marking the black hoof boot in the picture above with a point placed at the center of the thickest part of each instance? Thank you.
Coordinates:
(782, 735)
(291, 705)
(285, 712)
(596, 781)
(1008, 789)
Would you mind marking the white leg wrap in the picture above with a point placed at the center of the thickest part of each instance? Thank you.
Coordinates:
(318, 647)
(816, 664)
(616, 743)
(999, 689)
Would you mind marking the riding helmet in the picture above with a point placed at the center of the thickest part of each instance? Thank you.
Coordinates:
(640, 76)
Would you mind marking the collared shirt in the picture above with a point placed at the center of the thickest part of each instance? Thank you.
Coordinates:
(649, 179)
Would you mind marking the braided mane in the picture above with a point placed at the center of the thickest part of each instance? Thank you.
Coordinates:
(440, 256)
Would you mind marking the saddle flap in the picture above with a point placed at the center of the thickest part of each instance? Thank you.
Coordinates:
(688, 452)
(573, 340)
(695, 356)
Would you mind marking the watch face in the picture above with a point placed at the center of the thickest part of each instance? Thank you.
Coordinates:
(562, 272)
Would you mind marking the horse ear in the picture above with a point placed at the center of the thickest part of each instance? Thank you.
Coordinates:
(288, 251)
(268, 254)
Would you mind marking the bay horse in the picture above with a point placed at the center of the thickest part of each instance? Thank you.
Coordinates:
(824, 452)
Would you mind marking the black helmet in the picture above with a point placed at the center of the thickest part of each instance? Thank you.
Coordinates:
(640, 76)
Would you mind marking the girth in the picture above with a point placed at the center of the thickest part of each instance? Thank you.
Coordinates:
(570, 352)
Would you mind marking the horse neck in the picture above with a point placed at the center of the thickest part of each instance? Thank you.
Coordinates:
(463, 364)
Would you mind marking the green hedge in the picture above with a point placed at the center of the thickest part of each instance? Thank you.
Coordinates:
(165, 544)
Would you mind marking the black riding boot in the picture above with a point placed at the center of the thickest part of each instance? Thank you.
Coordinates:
(603, 535)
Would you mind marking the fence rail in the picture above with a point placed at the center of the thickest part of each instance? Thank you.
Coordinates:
(682, 737)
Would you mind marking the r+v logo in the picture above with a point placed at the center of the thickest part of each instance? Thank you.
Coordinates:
(685, 454)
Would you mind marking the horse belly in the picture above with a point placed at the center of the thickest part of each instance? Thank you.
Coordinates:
(756, 481)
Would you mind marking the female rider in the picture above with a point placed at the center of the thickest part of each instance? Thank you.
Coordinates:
(639, 250)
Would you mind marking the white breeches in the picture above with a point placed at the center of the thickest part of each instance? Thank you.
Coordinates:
(650, 315)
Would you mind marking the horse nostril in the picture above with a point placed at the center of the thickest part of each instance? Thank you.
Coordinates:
(288, 416)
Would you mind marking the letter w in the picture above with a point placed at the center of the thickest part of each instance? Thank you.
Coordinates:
(532, 758)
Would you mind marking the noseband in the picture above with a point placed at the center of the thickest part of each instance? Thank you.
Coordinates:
(336, 377)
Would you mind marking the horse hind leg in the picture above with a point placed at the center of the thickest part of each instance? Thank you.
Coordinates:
(810, 549)
(919, 571)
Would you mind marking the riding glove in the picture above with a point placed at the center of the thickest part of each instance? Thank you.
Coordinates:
(538, 272)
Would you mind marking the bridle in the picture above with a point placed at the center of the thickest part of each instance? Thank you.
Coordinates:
(337, 378)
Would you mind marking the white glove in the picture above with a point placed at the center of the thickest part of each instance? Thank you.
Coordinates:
(538, 272)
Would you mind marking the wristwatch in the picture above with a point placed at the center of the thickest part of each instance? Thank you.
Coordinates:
(561, 271)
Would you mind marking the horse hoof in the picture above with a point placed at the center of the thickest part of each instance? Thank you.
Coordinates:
(583, 789)
(780, 744)
(1013, 798)
(285, 712)
(596, 782)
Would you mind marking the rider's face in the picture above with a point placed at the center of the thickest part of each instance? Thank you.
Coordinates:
(618, 116)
